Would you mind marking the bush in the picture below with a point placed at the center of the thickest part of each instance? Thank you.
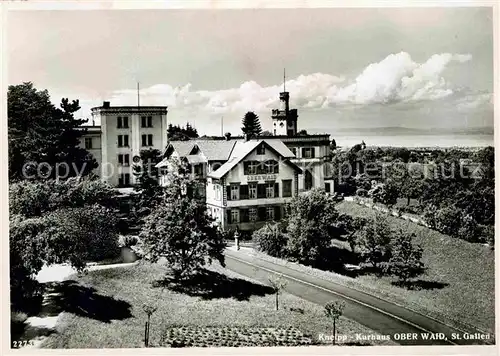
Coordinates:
(271, 240)
(80, 235)
(27, 255)
(469, 229)
(448, 220)
(362, 192)
(429, 215)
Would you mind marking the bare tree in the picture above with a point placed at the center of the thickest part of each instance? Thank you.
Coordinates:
(334, 310)
(277, 284)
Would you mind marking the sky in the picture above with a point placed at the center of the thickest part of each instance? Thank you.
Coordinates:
(346, 69)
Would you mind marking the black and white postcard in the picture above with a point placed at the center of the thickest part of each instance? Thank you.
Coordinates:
(221, 177)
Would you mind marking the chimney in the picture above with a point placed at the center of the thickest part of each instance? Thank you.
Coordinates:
(105, 104)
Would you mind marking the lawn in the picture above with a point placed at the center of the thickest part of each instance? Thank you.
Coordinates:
(458, 286)
(104, 309)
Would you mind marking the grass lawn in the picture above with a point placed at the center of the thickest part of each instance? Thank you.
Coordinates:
(103, 309)
(459, 284)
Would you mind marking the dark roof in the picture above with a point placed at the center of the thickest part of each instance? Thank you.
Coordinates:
(211, 149)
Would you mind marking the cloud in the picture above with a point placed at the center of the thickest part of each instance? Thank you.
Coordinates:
(396, 78)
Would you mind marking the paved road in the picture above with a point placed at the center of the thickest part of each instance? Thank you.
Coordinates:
(379, 315)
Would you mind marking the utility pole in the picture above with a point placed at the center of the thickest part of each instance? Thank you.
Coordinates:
(284, 79)
(222, 126)
(138, 97)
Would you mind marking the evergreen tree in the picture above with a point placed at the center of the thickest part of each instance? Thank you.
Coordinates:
(251, 125)
(40, 132)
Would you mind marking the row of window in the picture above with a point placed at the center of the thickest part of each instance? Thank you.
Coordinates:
(147, 140)
(258, 167)
(257, 191)
(307, 152)
(122, 122)
(253, 214)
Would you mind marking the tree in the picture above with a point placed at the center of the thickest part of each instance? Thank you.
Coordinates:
(302, 133)
(148, 185)
(406, 258)
(311, 225)
(333, 145)
(251, 125)
(333, 311)
(271, 240)
(73, 235)
(39, 132)
(375, 241)
(180, 229)
(448, 220)
(54, 222)
(351, 228)
(266, 133)
(35, 198)
(277, 284)
(385, 193)
(178, 133)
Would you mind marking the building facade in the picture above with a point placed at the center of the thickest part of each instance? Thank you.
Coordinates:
(124, 132)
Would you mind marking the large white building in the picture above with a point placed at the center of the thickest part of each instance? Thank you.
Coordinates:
(123, 133)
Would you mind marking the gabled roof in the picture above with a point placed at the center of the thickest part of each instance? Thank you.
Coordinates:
(244, 148)
(216, 150)
(212, 150)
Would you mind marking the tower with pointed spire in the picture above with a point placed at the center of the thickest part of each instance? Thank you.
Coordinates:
(284, 118)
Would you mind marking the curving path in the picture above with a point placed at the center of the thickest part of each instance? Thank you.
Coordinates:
(404, 326)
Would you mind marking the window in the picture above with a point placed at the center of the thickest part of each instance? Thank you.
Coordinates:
(308, 180)
(274, 131)
(271, 167)
(147, 140)
(270, 213)
(122, 122)
(146, 121)
(122, 140)
(88, 143)
(235, 192)
(244, 217)
(287, 188)
(261, 150)
(294, 150)
(251, 167)
(243, 191)
(198, 169)
(217, 192)
(235, 216)
(327, 187)
(308, 152)
(124, 180)
(269, 190)
(252, 212)
(124, 159)
(252, 191)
